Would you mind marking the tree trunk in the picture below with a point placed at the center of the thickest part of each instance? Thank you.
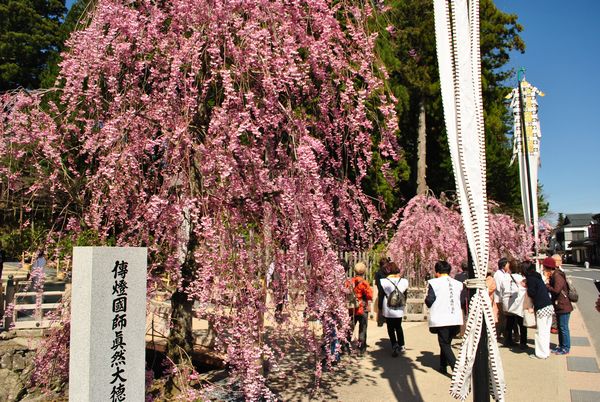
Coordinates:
(267, 255)
(422, 151)
(180, 344)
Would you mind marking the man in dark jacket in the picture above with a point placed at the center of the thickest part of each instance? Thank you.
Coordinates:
(559, 288)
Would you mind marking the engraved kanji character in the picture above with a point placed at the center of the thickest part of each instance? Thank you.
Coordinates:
(118, 393)
(117, 375)
(119, 305)
(120, 288)
(120, 321)
(120, 269)
(118, 358)
(118, 341)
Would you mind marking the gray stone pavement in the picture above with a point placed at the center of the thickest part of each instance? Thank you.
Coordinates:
(378, 376)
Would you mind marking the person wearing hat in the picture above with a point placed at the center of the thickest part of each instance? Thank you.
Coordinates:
(542, 305)
(559, 289)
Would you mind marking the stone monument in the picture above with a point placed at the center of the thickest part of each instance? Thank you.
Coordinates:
(108, 319)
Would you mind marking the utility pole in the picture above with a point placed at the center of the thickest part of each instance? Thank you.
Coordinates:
(525, 150)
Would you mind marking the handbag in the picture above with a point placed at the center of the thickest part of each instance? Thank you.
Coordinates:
(514, 303)
(572, 293)
(529, 320)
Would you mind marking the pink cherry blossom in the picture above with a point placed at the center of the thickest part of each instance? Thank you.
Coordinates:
(429, 231)
(224, 136)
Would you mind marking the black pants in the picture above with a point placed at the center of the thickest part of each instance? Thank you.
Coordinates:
(395, 332)
(445, 336)
(362, 321)
(515, 323)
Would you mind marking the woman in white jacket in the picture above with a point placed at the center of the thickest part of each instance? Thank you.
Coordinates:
(394, 311)
(513, 295)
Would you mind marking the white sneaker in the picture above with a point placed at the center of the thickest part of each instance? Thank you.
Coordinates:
(537, 358)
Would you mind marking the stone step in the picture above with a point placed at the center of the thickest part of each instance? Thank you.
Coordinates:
(45, 293)
(43, 306)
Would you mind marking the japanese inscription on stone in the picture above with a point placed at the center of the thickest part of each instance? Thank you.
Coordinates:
(119, 309)
(108, 324)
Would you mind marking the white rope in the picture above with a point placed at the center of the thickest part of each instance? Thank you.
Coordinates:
(475, 283)
(457, 38)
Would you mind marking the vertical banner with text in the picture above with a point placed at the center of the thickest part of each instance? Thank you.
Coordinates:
(108, 321)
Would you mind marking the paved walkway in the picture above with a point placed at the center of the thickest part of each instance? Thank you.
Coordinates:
(583, 374)
(412, 377)
(378, 376)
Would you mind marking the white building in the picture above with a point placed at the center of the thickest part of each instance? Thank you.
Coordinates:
(573, 235)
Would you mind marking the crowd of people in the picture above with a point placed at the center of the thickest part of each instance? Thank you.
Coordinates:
(521, 298)
(522, 290)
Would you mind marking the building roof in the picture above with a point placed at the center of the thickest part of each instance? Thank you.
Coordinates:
(583, 243)
(572, 220)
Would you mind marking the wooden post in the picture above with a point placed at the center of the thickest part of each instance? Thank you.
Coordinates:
(1, 298)
(481, 374)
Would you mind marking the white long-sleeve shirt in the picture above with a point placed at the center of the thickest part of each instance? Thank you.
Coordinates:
(387, 285)
(499, 279)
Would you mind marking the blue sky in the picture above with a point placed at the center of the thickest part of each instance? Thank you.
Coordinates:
(562, 59)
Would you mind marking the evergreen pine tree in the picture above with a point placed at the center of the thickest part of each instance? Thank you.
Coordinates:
(29, 38)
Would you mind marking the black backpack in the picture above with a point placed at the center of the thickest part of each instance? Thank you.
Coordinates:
(396, 299)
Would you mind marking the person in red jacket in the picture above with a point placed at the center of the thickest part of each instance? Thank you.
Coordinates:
(359, 311)
(559, 289)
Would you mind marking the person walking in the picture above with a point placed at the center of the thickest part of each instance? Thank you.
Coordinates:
(542, 305)
(559, 289)
(445, 314)
(359, 310)
(381, 273)
(394, 302)
(513, 295)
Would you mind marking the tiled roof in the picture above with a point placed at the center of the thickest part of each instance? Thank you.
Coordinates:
(578, 220)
